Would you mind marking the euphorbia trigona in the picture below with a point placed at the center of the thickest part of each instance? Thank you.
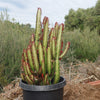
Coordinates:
(40, 61)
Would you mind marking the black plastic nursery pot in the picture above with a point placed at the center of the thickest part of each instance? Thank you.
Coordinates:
(45, 92)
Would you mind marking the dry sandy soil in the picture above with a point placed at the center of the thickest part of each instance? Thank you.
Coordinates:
(77, 87)
(81, 92)
(72, 91)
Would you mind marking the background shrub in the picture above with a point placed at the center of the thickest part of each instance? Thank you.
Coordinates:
(13, 38)
(84, 45)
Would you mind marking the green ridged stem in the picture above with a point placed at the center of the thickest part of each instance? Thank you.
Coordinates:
(38, 26)
(36, 80)
(43, 67)
(58, 42)
(40, 53)
(44, 20)
(41, 58)
(57, 69)
(53, 67)
(32, 78)
(22, 76)
(34, 53)
(51, 33)
(45, 35)
(45, 79)
(65, 50)
(28, 70)
(56, 29)
(25, 57)
(45, 60)
(24, 67)
(32, 38)
(29, 81)
(49, 60)
(57, 72)
(53, 48)
(51, 36)
(30, 58)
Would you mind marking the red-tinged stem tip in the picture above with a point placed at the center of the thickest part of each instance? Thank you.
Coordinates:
(56, 23)
(23, 54)
(42, 61)
(33, 42)
(24, 50)
(27, 64)
(39, 43)
(51, 31)
(61, 52)
(68, 43)
(54, 38)
(42, 30)
(45, 20)
(23, 63)
(42, 75)
(62, 26)
(61, 44)
(22, 68)
(59, 58)
(22, 60)
(29, 46)
(39, 9)
(33, 35)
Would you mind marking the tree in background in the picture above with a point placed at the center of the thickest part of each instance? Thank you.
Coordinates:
(82, 18)
(97, 8)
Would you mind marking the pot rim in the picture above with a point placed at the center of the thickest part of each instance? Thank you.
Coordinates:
(51, 87)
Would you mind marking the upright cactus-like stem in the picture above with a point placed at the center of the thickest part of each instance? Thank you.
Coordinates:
(34, 53)
(57, 72)
(49, 60)
(38, 26)
(53, 47)
(56, 29)
(25, 55)
(41, 58)
(30, 58)
(59, 42)
(28, 80)
(45, 37)
(28, 69)
(22, 76)
(65, 50)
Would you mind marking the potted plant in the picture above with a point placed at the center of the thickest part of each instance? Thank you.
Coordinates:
(40, 70)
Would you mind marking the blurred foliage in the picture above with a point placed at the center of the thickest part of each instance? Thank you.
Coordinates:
(13, 38)
(82, 18)
(82, 29)
(84, 45)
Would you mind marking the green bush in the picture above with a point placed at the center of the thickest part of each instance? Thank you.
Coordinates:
(84, 45)
(13, 38)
